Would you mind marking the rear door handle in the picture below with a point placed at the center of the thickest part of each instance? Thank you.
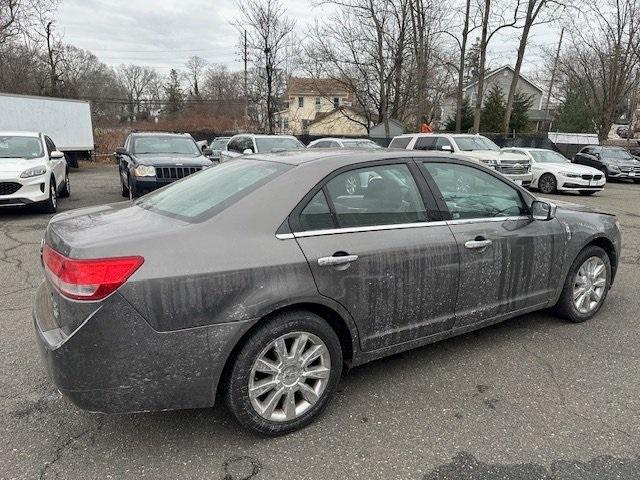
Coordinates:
(477, 244)
(339, 260)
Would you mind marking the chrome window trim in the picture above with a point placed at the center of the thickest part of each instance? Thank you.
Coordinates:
(398, 226)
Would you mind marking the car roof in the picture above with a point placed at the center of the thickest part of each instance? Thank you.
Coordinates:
(156, 134)
(354, 156)
(432, 134)
(20, 134)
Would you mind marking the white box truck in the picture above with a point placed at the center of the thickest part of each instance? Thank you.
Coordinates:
(66, 121)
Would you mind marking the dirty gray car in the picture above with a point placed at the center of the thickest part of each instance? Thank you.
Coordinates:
(261, 279)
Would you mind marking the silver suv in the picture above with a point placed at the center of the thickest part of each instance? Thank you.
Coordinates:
(473, 147)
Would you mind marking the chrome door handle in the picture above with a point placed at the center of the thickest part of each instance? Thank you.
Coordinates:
(476, 244)
(333, 261)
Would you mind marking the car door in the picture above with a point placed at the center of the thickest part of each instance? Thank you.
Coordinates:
(510, 262)
(57, 164)
(383, 253)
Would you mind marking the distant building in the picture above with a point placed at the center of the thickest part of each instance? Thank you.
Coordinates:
(395, 128)
(320, 106)
(502, 77)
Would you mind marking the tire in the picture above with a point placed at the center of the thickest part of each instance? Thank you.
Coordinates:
(547, 183)
(566, 307)
(125, 188)
(72, 160)
(605, 172)
(66, 188)
(131, 190)
(50, 205)
(636, 180)
(287, 380)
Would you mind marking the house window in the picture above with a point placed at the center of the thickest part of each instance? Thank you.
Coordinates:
(286, 105)
(300, 102)
(317, 103)
(305, 125)
(336, 102)
(285, 123)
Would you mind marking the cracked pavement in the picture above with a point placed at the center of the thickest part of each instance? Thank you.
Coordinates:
(532, 398)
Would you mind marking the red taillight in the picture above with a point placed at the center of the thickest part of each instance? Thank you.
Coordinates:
(88, 279)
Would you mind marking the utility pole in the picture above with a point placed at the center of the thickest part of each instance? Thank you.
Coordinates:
(245, 56)
(553, 76)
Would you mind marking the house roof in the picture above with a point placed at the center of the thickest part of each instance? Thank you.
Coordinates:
(319, 86)
(323, 115)
(494, 72)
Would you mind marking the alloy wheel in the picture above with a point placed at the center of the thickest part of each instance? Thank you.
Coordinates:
(547, 183)
(52, 194)
(289, 376)
(589, 285)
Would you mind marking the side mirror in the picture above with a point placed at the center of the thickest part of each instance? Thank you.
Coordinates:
(247, 151)
(207, 152)
(121, 151)
(56, 155)
(543, 211)
(446, 148)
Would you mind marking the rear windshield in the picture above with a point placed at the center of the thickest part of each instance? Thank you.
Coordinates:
(219, 144)
(165, 144)
(20, 147)
(365, 144)
(208, 192)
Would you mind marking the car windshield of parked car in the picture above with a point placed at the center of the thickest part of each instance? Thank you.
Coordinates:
(469, 144)
(219, 144)
(20, 147)
(165, 144)
(269, 144)
(211, 191)
(548, 156)
(364, 144)
(616, 154)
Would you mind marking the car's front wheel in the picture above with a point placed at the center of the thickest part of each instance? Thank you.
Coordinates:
(547, 183)
(586, 285)
(66, 188)
(51, 204)
(285, 373)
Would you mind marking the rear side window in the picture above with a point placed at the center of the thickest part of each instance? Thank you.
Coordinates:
(425, 143)
(400, 142)
(211, 191)
(316, 215)
(380, 195)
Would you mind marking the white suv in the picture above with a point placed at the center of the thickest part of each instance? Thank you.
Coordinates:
(32, 171)
(246, 143)
(516, 167)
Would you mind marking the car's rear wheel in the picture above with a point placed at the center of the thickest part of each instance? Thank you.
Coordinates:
(285, 373)
(66, 188)
(586, 285)
(547, 183)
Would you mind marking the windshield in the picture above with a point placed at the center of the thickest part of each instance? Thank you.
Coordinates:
(20, 147)
(365, 144)
(469, 144)
(616, 153)
(212, 190)
(165, 144)
(548, 156)
(219, 144)
(269, 144)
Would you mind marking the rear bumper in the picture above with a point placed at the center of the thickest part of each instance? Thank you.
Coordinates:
(114, 362)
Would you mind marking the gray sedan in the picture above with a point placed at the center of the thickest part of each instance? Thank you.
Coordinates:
(262, 278)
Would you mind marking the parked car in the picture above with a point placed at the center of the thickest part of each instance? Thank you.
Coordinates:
(303, 279)
(477, 148)
(613, 162)
(553, 172)
(623, 131)
(246, 144)
(344, 143)
(32, 171)
(217, 146)
(150, 160)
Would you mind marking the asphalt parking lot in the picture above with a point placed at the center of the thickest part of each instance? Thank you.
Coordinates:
(532, 398)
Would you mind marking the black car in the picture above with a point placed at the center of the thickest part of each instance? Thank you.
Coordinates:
(151, 160)
(614, 162)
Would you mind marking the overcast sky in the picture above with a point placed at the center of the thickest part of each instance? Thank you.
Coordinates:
(164, 33)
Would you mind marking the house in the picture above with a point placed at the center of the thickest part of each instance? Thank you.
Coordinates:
(502, 77)
(395, 128)
(319, 106)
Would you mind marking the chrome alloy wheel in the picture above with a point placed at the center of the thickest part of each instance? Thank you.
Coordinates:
(289, 376)
(589, 285)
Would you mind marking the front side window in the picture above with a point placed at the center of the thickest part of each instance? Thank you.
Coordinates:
(20, 147)
(400, 142)
(211, 190)
(472, 193)
(443, 142)
(379, 195)
(165, 144)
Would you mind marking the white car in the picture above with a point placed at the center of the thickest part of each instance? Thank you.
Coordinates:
(552, 172)
(32, 171)
(246, 144)
(359, 143)
(476, 148)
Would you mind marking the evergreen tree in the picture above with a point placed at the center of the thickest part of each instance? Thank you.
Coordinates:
(493, 110)
(173, 92)
(522, 103)
(467, 118)
(574, 114)
(472, 62)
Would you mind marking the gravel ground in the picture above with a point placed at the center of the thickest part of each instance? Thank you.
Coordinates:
(532, 398)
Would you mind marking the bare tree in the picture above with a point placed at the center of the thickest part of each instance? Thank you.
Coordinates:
(269, 30)
(195, 68)
(9, 19)
(135, 81)
(532, 17)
